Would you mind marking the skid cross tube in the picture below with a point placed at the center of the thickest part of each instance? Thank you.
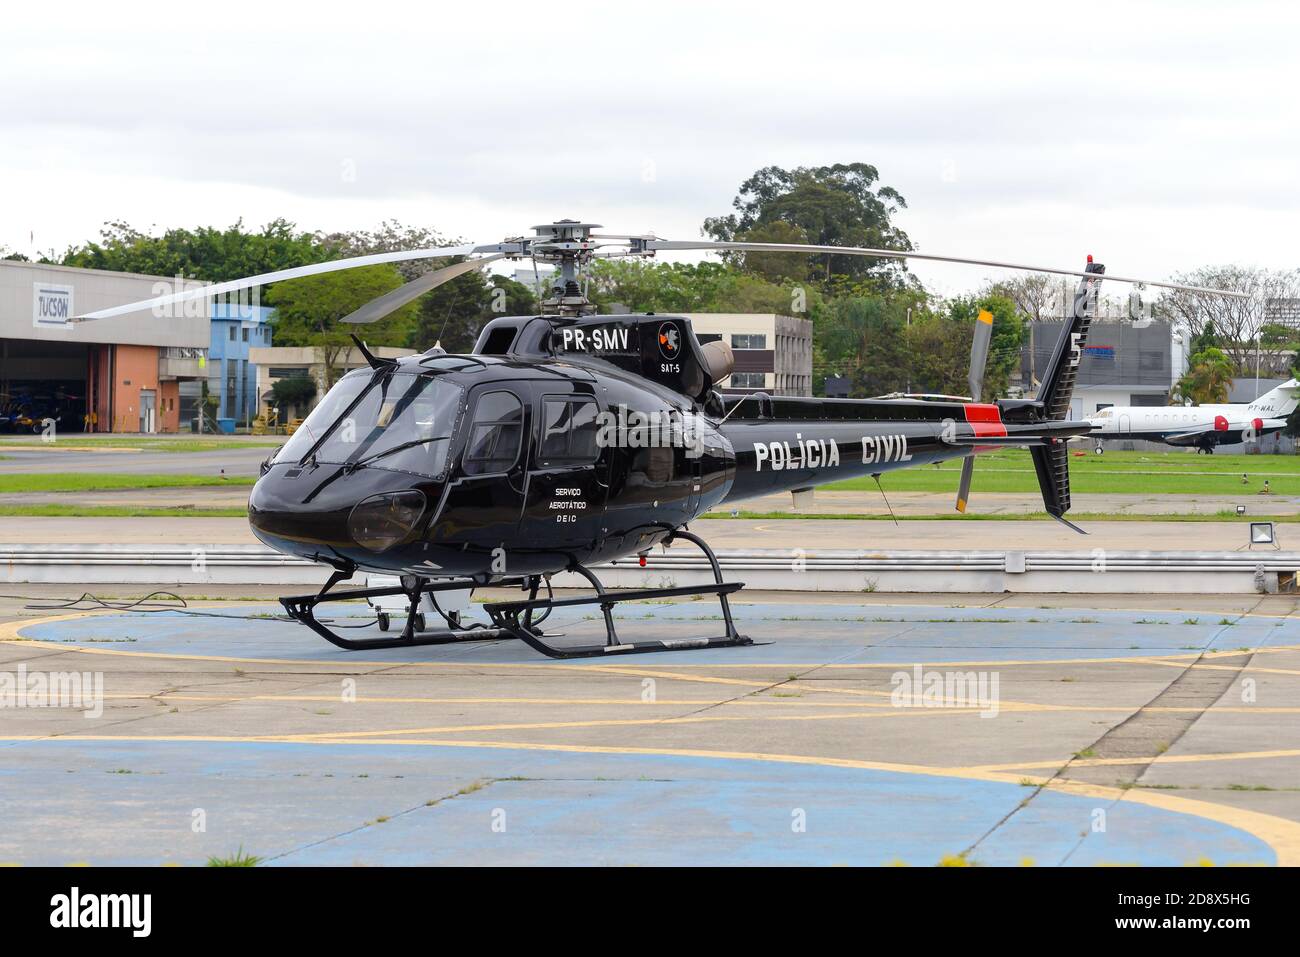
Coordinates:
(515, 617)
(303, 608)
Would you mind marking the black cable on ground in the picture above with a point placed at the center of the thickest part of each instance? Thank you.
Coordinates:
(171, 602)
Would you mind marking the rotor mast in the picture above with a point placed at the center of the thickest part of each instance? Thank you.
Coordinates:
(568, 245)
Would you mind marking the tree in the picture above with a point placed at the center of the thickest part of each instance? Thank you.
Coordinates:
(217, 255)
(451, 314)
(391, 236)
(864, 339)
(1203, 340)
(776, 267)
(1037, 296)
(308, 310)
(1234, 322)
(1292, 427)
(839, 205)
(1004, 346)
(938, 353)
(296, 392)
(700, 287)
(657, 286)
(1207, 380)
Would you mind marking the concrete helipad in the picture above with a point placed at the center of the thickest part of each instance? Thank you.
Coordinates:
(856, 732)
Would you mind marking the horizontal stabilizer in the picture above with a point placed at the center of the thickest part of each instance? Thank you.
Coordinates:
(1038, 433)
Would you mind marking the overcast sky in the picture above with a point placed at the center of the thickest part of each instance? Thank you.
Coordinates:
(1158, 137)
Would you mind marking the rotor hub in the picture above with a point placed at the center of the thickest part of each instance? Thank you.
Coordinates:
(568, 245)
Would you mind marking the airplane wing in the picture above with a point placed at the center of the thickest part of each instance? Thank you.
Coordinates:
(1191, 434)
(1228, 432)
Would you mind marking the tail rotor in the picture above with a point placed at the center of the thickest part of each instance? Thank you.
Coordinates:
(979, 357)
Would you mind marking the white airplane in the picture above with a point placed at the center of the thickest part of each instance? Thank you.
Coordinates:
(1202, 426)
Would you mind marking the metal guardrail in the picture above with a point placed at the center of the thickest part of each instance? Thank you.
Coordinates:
(682, 558)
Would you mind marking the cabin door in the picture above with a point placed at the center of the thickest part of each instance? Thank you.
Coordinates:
(483, 503)
(564, 505)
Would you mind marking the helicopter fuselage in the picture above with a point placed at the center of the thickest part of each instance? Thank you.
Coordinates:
(495, 465)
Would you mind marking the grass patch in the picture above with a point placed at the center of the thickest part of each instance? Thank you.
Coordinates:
(143, 444)
(238, 859)
(96, 481)
(118, 511)
(1219, 516)
(1179, 473)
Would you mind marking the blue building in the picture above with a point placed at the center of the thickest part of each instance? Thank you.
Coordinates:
(236, 327)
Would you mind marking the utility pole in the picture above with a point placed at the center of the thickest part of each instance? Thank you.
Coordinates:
(909, 365)
(1258, 333)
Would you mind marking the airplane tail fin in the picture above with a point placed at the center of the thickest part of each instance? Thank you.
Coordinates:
(1279, 403)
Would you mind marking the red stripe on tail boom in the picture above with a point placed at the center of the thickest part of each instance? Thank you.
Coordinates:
(985, 418)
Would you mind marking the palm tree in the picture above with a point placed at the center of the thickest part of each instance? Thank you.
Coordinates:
(1207, 380)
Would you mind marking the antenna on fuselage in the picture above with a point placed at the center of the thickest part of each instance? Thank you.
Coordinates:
(375, 361)
(876, 476)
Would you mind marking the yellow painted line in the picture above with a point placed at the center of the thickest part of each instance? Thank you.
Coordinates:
(1152, 759)
(9, 629)
(9, 633)
(634, 702)
(1254, 669)
(705, 679)
(795, 684)
(1279, 833)
(623, 723)
(630, 701)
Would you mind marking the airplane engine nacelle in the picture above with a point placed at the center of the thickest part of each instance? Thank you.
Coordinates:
(1220, 424)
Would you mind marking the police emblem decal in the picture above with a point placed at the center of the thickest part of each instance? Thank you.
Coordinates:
(670, 340)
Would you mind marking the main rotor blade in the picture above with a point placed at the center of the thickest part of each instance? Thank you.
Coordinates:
(687, 244)
(979, 353)
(298, 272)
(377, 308)
(963, 489)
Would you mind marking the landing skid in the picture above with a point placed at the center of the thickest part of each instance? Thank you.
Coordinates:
(521, 619)
(303, 608)
(515, 617)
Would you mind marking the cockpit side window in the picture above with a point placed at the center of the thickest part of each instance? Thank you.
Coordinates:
(568, 432)
(496, 434)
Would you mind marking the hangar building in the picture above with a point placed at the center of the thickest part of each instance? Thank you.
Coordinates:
(110, 375)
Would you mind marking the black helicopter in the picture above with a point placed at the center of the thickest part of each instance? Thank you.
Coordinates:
(567, 439)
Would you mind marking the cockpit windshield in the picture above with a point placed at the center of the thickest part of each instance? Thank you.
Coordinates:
(318, 422)
(396, 420)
